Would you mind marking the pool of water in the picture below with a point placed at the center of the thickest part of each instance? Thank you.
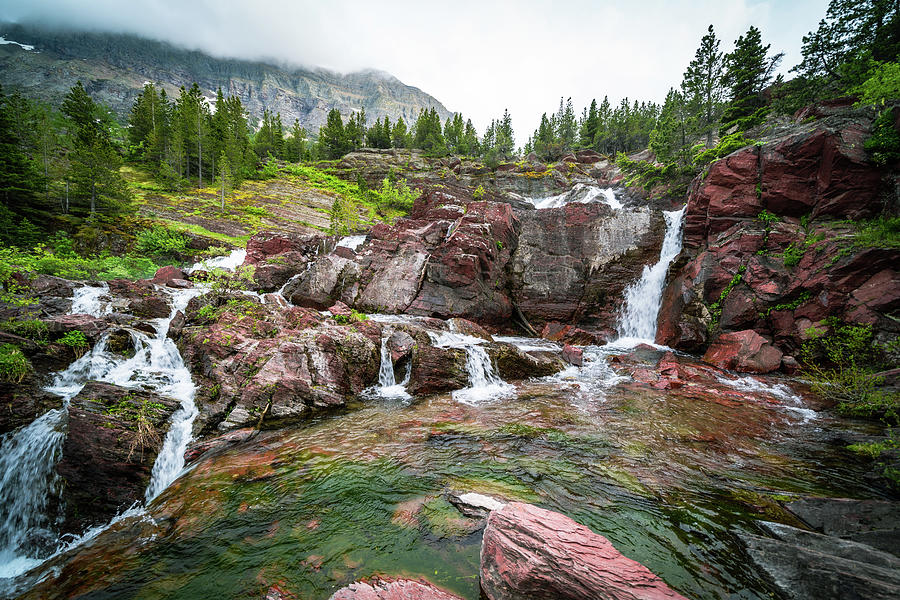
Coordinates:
(667, 476)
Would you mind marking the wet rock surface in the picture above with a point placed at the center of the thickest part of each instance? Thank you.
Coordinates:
(114, 436)
(530, 552)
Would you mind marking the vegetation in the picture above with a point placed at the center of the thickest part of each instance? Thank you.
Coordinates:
(13, 364)
(844, 362)
(75, 340)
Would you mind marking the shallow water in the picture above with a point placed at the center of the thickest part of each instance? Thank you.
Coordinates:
(668, 477)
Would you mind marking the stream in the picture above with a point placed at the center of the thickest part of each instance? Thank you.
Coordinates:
(668, 476)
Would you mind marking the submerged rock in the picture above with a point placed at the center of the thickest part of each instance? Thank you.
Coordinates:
(529, 552)
(392, 589)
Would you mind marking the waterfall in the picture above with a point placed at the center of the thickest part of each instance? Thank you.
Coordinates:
(351, 241)
(637, 322)
(388, 387)
(28, 455)
(484, 382)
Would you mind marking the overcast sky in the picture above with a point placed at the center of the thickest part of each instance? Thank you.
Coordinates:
(475, 56)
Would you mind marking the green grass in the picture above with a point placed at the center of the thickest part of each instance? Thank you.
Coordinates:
(239, 241)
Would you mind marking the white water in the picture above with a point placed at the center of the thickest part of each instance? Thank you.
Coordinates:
(790, 401)
(28, 455)
(637, 322)
(229, 262)
(484, 382)
(582, 193)
(351, 241)
(387, 387)
(86, 300)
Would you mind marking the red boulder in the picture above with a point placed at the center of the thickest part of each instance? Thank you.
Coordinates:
(745, 351)
(530, 552)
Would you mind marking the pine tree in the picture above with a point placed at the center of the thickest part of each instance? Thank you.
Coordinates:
(295, 146)
(399, 134)
(332, 138)
(94, 160)
(702, 87)
(590, 125)
(20, 177)
(469, 145)
(748, 70)
(669, 139)
(566, 127)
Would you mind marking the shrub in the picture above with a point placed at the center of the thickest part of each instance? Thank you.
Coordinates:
(843, 364)
(75, 340)
(398, 196)
(726, 146)
(884, 143)
(160, 241)
(13, 364)
(478, 194)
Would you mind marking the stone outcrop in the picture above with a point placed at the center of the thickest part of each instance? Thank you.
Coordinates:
(481, 260)
(529, 552)
(744, 351)
(114, 436)
(258, 361)
(788, 269)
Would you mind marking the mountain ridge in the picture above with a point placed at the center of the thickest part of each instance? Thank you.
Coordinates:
(114, 67)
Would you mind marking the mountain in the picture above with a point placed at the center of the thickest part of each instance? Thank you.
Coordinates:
(44, 64)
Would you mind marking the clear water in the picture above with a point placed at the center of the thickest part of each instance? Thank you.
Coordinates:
(666, 476)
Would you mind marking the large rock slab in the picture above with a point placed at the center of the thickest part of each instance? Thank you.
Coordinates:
(804, 565)
(529, 552)
(873, 522)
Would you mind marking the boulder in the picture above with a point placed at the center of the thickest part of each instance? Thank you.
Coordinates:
(514, 364)
(572, 355)
(114, 436)
(92, 327)
(529, 552)
(744, 351)
(22, 403)
(392, 589)
(164, 275)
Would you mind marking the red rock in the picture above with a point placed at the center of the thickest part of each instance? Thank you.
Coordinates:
(588, 156)
(179, 284)
(573, 355)
(744, 351)
(339, 308)
(529, 552)
(91, 327)
(166, 274)
(392, 589)
(568, 334)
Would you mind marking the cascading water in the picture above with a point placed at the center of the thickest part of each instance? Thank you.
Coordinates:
(581, 193)
(28, 456)
(637, 323)
(86, 300)
(388, 387)
(484, 382)
(351, 241)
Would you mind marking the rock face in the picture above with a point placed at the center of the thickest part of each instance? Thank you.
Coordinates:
(530, 552)
(114, 436)
(392, 589)
(788, 269)
(483, 261)
(572, 263)
(277, 256)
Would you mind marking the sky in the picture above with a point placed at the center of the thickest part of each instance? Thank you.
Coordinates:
(476, 57)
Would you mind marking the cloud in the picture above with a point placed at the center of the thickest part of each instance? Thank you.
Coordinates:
(477, 57)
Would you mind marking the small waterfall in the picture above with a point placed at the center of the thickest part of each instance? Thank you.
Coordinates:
(637, 322)
(27, 481)
(484, 382)
(387, 383)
